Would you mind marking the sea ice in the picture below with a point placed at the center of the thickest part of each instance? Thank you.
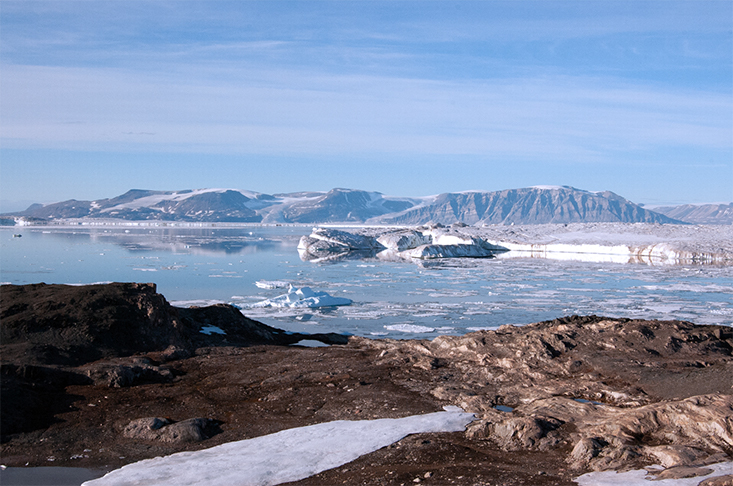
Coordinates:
(409, 328)
(302, 297)
(289, 455)
(272, 284)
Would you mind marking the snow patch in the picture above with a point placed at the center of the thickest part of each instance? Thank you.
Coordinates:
(209, 330)
(289, 455)
(641, 477)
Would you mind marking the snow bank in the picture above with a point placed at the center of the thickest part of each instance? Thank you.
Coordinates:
(640, 477)
(302, 297)
(289, 455)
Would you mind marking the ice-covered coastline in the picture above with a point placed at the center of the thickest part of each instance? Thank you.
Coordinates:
(599, 242)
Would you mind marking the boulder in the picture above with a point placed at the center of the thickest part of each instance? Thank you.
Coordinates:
(165, 430)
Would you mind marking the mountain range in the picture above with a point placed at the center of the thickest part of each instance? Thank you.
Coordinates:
(533, 205)
(699, 213)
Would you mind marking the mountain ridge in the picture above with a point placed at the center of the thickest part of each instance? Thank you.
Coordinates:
(532, 205)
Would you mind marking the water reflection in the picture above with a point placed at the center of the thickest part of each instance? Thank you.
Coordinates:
(201, 241)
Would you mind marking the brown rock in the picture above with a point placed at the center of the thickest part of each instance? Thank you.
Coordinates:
(584, 393)
(681, 472)
(726, 480)
(165, 430)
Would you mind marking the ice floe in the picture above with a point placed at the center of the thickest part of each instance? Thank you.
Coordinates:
(289, 455)
(413, 328)
(272, 284)
(303, 297)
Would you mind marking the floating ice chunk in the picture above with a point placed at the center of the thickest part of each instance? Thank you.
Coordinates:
(339, 239)
(289, 455)
(272, 284)
(302, 297)
(209, 330)
(414, 328)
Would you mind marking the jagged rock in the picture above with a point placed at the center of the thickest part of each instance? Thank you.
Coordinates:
(602, 386)
(586, 450)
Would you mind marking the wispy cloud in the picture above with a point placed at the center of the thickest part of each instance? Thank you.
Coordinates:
(535, 82)
(575, 118)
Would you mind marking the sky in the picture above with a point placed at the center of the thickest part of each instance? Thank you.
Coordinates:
(408, 98)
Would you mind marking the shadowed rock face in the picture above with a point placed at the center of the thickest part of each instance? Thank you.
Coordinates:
(54, 336)
(72, 325)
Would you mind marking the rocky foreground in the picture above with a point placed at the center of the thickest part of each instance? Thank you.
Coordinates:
(104, 375)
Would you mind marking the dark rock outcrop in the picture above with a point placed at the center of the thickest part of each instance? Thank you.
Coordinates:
(73, 325)
(55, 336)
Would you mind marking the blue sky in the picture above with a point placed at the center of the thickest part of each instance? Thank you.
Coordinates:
(406, 98)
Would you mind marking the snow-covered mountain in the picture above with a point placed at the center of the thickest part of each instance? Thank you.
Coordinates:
(699, 213)
(535, 205)
(213, 205)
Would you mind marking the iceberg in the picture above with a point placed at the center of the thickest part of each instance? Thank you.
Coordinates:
(326, 243)
(303, 297)
(404, 240)
(425, 252)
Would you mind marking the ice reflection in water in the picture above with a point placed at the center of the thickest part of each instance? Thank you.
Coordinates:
(390, 298)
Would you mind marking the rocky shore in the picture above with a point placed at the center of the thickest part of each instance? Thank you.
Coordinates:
(104, 375)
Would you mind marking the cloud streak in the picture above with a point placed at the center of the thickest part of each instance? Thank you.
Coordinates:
(571, 117)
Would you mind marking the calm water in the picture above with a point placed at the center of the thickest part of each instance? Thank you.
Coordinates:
(393, 299)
